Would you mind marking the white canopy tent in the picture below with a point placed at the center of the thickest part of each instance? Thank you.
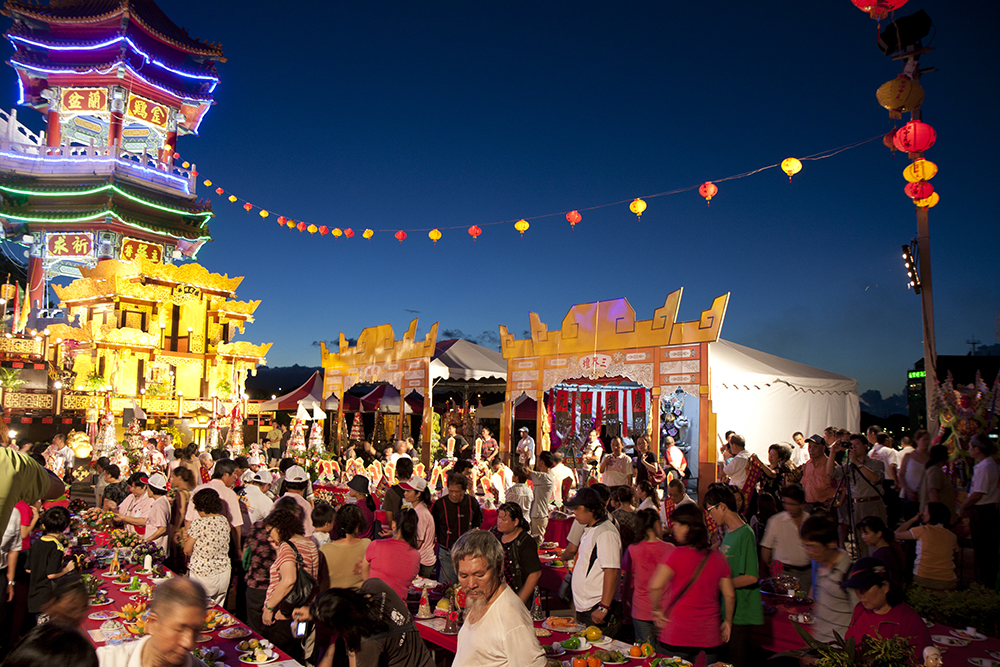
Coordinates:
(766, 398)
(461, 360)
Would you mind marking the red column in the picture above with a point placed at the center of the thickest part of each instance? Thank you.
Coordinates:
(53, 133)
(166, 154)
(115, 129)
(36, 282)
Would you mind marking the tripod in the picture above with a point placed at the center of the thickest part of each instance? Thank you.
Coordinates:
(846, 484)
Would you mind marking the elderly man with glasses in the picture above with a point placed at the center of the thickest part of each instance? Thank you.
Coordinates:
(498, 630)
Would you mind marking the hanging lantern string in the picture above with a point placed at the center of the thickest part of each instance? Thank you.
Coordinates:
(822, 155)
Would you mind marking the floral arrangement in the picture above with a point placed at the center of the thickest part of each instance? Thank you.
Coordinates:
(143, 549)
(78, 506)
(332, 495)
(98, 519)
(121, 539)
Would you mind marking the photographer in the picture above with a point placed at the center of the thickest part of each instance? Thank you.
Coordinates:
(864, 480)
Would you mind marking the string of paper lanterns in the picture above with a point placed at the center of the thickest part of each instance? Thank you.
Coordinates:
(638, 205)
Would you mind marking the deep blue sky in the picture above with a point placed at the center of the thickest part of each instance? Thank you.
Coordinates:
(419, 115)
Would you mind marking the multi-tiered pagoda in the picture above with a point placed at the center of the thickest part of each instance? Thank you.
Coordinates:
(118, 82)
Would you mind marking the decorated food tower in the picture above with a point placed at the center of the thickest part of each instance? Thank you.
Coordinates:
(118, 83)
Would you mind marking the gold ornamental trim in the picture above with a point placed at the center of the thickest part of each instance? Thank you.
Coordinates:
(242, 348)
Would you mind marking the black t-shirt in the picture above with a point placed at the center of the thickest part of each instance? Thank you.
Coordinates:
(400, 645)
(44, 558)
(452, 520)
(520, 559)
(116, 492)
(462, 448)
(393, 500)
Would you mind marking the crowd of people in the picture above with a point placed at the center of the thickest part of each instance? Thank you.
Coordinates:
(851, 519)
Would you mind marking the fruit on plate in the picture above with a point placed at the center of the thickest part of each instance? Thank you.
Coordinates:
(579, 662)
(131, 611)
(571, 644)
(635, 651)
(558, 563)
(443, 604)
(648, 650)
(593, 634)
(610, 656)
(561, 622)
(552, 662)
(593, 661)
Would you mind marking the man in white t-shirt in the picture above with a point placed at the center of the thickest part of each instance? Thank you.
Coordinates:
(498, 631)
(526, 448)
(544, 484)
(800, 449)
(598, 562)
(255, 494)
(158, 519)
(561, 472)
(499, 480)
(399, 452)
(593, 449)
(736, 468)
(222, 481)
(616, 467)
(982, 509)
(176, 615)
(782, 542)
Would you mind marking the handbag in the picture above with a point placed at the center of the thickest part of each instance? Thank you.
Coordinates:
(302, 590)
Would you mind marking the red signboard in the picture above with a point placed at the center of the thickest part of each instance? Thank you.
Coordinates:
(148, 110)
(67, 420)
(72, 244)
(134, 249)
(25, 420)
(85, 99)
(46, 420)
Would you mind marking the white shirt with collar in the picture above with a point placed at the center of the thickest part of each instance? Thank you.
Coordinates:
(257, 502)
(984, 481)
(800, 455)
(67, 455)
(736, 469)
(11, 540)
(129, 654)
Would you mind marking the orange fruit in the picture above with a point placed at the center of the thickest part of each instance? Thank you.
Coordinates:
(635, 651)
(593, 661)
(648, 650)
(579, 662)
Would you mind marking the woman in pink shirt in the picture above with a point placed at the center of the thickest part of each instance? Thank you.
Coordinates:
(690, 581)
(640, 561)
(416, 493)
(395, 561)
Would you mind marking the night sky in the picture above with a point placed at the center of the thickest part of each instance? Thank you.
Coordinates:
(420, 115)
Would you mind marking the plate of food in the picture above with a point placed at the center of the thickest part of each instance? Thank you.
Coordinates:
(984, 662)
(201, 639)
(805, 618)
(553, 651)
(253, 644)
(994, 654)
(99, 601)
(258, 657)
(103, 615)
(234, 633)
(209, 654)
(669, 662)
(575, 644)
(120, 583)
(566, 624)
(945, 640)
(110, 575)
(543, 632)
(969, 634)
(611, 657)
(547, 557)
(929, 624)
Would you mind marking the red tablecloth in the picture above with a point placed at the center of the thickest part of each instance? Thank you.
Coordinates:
(778, 634)
(119, 598)
(558, 530)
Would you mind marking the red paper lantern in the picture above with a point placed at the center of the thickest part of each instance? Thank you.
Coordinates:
(914, 137)
(177, 156)
(573, 217)
(282, 220)
(919, 190)
(348, 232)
(878, 9)
(708, 190)
(324, 230)
(301, 226)
(474, 232)
(219, 191)
(889, 140)
(248, 206)
(400, 235)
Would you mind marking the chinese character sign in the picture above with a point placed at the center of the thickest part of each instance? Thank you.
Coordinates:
(58, 244)
(148, 110)
(75, 100)
(136, 249)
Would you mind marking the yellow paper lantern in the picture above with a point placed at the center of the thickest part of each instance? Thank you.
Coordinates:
(264, 213)
(521, 226)
(312, 229)
(899, 95)
(208, 183)
(291, 224)
(434, 235)
(368, 234)
(337, 232)
(637, 206)
(232, 198)
(920, 170)
(929, 202)
(791, 166)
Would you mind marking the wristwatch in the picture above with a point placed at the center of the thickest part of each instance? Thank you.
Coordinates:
(601, 608)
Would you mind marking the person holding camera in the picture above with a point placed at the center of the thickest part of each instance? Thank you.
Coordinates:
(864, 477)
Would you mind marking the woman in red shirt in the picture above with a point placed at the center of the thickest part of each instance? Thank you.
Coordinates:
(882, 611)
(640, 562)
(689, 621)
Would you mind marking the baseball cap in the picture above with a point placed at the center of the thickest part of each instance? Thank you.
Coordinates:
(158, 482)
(585, 496)
(523, 429)
(296, 474)
(415, 483)
(867, 572)
(260, 477)
(817, 439)
(253, 460)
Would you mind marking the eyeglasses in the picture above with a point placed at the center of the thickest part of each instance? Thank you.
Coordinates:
(709, 508)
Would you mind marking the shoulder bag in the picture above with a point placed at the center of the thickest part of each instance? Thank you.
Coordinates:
(302, 590)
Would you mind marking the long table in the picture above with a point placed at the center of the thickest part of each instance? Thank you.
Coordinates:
(120, 598)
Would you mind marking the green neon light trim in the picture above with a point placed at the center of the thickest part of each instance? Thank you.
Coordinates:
(24, 218)
(104, 188)
(913, 375)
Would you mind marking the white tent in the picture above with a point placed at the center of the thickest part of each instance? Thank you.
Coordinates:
(766, 398)
(462, 360)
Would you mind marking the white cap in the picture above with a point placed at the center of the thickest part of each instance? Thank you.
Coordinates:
(260, 477)
(158, 482)
(415, 483)
(253, 460)
(296, 474)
